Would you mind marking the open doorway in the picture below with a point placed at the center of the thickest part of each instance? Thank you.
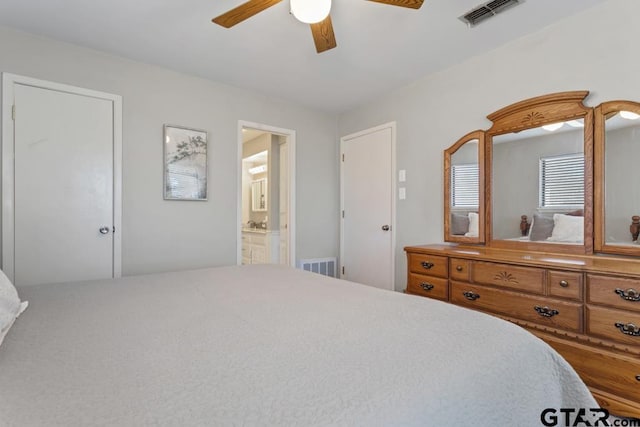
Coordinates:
(266, 196)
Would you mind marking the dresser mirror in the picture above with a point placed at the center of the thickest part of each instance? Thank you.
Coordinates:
(617, 202)
(538, 175)
(549, 175)
(534, 179)
(540, 162)
(464, 189)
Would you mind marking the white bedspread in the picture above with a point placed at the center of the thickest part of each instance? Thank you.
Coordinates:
(269, 345)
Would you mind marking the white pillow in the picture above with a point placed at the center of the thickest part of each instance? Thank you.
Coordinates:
(473, 225)
(10, 305)
(567, 228)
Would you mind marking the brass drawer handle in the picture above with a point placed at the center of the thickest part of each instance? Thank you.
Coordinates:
(458, 268)
(629, 295)
(564, 283)
(427, 265)
(546, 311)
(426, 286)
(628, 329)
(471, 296)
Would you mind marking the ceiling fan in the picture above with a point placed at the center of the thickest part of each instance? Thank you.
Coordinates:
(312, 12)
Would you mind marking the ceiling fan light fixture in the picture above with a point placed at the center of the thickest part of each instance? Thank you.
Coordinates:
(575, 123)
(629, 115)
(310, 11)
(553, 126)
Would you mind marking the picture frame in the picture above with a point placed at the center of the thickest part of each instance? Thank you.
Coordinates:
(185, 163)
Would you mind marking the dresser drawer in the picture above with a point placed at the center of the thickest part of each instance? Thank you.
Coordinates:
(544, 311)
(459, 269)
(564, 284)
(617, 325)
(432, 265)
(428, 286)
(614, 291)
(602, 370)
(527, 279)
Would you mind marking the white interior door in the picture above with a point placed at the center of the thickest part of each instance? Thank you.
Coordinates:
(367, 193)
(63, 207)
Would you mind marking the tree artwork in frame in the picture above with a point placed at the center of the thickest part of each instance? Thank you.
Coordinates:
(185, 163)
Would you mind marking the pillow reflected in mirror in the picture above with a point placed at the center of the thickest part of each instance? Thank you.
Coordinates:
(474, 227)
(567, 228)
(541, 227)
(459, 224)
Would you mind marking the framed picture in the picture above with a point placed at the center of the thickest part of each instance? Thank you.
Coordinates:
(185, 163)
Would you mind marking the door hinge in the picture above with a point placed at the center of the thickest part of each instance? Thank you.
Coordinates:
(343, 157)
(343, 270)
(13, 112)
(342, 214)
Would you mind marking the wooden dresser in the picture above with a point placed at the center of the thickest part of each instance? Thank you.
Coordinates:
(587, 307)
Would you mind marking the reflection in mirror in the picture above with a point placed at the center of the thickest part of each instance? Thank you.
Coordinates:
(538, 184)
(259, 195)
(464, 200)
(621, 174)
(464, 189)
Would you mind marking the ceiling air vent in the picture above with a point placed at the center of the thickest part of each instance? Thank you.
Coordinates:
(487, 10)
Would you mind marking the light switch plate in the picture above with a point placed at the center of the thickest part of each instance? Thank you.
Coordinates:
(402, 175)
(402, 193)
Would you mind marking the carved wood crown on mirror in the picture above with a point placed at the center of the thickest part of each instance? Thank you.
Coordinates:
(543, 215)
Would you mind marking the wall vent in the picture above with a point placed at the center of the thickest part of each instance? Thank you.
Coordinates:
(487, 10)
(325, 266)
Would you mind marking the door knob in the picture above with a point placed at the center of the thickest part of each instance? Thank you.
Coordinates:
(104, 230)
(385, 228)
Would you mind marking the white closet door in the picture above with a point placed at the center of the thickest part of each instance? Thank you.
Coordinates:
(367, 252)
(63, 145)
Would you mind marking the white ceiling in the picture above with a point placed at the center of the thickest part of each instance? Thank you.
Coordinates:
(380, 47)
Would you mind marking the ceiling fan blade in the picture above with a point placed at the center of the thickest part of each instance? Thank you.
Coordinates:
(323, 35)
(412, 4)
(242, 12)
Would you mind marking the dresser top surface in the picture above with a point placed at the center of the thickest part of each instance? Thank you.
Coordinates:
(590, 263)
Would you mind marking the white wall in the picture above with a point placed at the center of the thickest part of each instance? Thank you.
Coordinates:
(596, 50)
(163, 235)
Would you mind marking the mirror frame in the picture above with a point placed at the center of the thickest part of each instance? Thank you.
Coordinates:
(532, 113)
(448, 237)
(262, 184)
(600, 114)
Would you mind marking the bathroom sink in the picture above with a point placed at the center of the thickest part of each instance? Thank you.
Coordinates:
(254, 230)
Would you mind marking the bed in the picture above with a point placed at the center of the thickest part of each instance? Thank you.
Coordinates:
(269, 345)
